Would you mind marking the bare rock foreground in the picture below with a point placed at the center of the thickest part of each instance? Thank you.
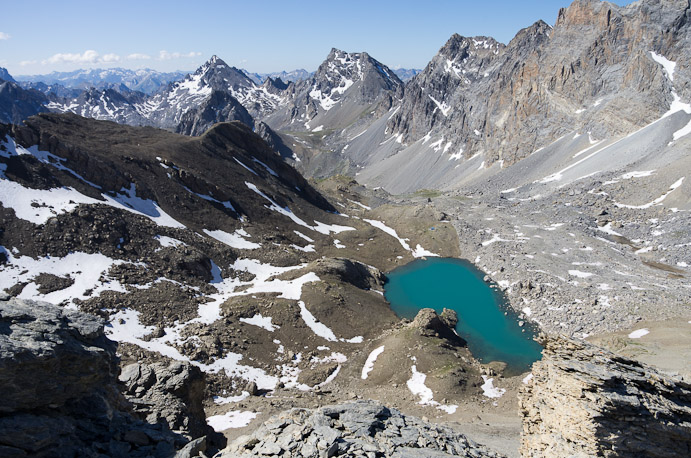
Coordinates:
(586, 401)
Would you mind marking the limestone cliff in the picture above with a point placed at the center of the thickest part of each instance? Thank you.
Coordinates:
(585, 401)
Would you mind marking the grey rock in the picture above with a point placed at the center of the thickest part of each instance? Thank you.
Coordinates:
(585, 401)
(67, 348)
(193, 448)
(136, 437)
(59, 373)
(361, 428)
(172, 393)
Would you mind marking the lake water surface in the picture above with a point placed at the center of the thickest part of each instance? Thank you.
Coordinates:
(456, 284)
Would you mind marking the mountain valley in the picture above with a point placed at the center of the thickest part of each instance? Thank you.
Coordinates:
(233, 233)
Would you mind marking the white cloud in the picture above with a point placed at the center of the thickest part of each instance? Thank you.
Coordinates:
(165, 55)
(24, 63)
(4, 36)
(108, 58)
(138, 56)
(87, 57)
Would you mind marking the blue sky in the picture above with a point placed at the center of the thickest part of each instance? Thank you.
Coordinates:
(42, 36)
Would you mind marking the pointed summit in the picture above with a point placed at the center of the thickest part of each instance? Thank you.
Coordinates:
(5, 75)
(218, 75)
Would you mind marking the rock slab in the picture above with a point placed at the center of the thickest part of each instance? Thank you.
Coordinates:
(585, 401)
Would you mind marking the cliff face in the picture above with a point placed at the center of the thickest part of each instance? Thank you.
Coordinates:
(586, 401)
(592, 71)
(59, 394)
(602, 70)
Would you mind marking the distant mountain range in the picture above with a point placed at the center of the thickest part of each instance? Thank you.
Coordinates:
(143, 80)
(477, 98)
(288, 77)
(405, 74)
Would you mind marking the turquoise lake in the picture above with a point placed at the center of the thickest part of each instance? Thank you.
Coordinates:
(485, 320)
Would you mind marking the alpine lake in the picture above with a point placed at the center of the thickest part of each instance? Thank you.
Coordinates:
(485, 320)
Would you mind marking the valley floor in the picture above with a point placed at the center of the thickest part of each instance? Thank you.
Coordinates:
(574, 264)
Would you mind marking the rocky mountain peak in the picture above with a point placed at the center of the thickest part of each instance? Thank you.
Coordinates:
(532, 36)
(274, 84)
(219, 75)
(586, 12)
(460, 47)
(5, 75)
(341, 70)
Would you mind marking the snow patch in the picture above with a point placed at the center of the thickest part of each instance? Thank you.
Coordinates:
(442, 106)
(316, 326)
(579, 274)
(234, 240)
(667, 64)
(638, 333)
(261, 321)
(489, 390)
(371, 359)
(416, 385)
(232, 419)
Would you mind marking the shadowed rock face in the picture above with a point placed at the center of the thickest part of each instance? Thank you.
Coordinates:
(586, 401)
(68, 347)
(17, 104)
(219, 107)
(57, 376)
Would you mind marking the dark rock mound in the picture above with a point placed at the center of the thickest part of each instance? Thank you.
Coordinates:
(349, 271)
(428, 323)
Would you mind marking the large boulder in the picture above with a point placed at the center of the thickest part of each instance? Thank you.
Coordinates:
(49, 356)
(172, 393)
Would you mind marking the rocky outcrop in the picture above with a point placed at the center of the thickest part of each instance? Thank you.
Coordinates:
(173, 393)
(353, 272)
(219, 107)
(586, 401)
(57, 376)
(428, 323)
(362, 428)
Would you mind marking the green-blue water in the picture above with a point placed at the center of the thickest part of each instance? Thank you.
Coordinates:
(456, 284)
